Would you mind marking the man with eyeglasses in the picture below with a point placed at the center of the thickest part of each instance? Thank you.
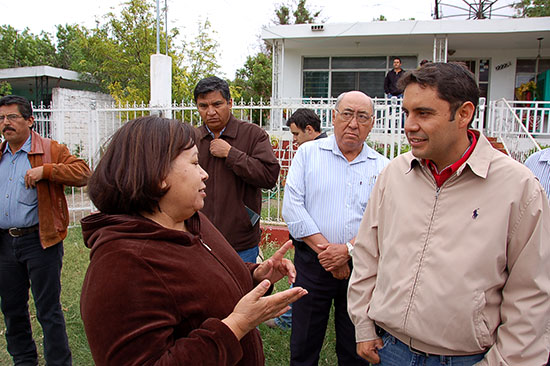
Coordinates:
(326, 192)
(33, 223)
(452, 258)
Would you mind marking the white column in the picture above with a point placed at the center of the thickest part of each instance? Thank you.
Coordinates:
(161, 84)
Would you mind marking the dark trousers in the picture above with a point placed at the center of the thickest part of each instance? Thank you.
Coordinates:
(310, 314)
(23, 264)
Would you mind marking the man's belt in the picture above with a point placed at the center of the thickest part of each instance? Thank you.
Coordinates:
(17, 232)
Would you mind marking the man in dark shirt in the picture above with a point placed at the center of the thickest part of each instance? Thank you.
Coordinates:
(239, 160)
(390, 82)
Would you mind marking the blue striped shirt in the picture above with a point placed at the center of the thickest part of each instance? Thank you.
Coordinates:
(324, 193)
(18, 204)
(539, 163)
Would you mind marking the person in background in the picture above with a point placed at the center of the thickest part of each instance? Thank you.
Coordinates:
(451, 258)
(326, 192)
(305, 126)
(539, 164)
(391, 87)
(33, 223)
(239, 159)
(163, 286)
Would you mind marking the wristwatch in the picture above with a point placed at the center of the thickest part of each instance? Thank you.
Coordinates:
(350, 248)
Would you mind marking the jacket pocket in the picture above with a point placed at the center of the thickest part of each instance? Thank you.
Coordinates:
(27, 196)
(483, 334)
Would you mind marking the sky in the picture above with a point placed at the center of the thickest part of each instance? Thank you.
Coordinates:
(237, 23)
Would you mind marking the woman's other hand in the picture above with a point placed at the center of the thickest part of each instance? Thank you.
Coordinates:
(276, 267)
(254, 308)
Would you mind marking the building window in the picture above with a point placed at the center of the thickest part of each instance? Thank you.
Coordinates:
(316, 84)
(525, 69)
(325, 77)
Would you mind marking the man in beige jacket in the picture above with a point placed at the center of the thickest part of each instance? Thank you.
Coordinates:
(451, 262)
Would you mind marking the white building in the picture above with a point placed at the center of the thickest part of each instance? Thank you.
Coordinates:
(322, 60)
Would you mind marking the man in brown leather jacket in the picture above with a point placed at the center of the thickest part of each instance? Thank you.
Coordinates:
(33, 223)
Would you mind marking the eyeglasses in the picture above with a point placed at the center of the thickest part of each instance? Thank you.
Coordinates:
(361, 118)
(10, 117)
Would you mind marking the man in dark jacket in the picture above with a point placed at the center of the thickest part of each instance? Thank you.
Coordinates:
(392, 77)
(239, 159)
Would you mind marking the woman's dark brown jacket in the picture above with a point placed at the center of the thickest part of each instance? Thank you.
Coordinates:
(155, 296)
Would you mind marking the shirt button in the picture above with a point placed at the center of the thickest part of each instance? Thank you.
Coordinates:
(7, 196)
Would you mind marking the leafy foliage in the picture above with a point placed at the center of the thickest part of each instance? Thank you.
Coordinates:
(253, 80)
(116, 53)
(5, 88)
(282, 15)
(24, 48)
(533, 8)
(198, 60)
(302, 14)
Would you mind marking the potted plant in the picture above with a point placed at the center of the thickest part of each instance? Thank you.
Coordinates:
(526, 91)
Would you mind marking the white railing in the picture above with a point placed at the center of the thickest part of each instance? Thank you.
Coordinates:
(87, 131)
(533, 115)
(507, 124)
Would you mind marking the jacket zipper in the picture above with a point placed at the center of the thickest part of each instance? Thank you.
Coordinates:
(224, 266)
(407, 312)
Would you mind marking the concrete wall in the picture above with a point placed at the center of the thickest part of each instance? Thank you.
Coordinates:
(72, 114)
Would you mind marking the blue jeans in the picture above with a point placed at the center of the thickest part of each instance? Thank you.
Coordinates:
(249, 255)
(25, 264)
(397, 353)
(284, 321)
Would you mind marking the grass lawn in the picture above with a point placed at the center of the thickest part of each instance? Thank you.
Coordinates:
(276, 342)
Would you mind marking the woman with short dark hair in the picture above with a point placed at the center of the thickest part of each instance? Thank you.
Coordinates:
(163, 286)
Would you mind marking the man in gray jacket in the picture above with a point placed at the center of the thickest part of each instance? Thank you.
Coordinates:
(451, 258)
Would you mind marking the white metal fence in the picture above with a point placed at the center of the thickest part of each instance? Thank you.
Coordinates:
(515, 124)
(87, 131)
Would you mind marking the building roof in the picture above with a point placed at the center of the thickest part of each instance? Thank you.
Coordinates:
(515, 33)
(38, 71)
(36, 82)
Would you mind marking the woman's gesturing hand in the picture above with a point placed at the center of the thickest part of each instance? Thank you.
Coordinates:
(255, 308)
(276, 267)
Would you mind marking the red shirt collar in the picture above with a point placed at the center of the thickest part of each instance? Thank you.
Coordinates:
(441, 177)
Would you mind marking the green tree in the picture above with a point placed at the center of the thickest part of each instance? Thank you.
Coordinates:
(381, 18)
(533, 8)
(5, 88)
(303, 15)
(282, 15)
(116, 54)
(197, 61)
(25, 49)
(124, 46)
(72, 46)
(253, 80)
